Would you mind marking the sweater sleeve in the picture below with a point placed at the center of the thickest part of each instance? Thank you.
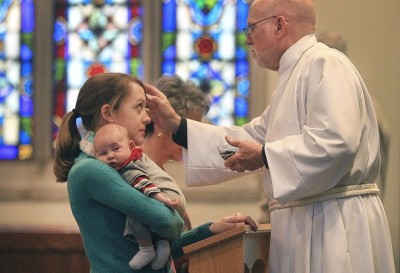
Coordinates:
(189, 237)
(105, 185)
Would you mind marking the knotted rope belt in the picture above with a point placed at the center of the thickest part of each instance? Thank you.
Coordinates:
(334, 193)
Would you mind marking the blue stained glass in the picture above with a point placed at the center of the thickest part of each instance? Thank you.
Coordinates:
(136, 32)
(60, 32)
(216, 100)
(169, 22)
(242, 12)
(28, 87)
(170, 53)
(168, 67)
(28, 20)
(26, 106)
(15, 82)
(205, 72)
(86, 34)
(26, 68)
(242, 67)
(241, 53)
(93, 37)
(201, 55)
(206, 16)
(8, 152)
(25, 137)
(79, 1)
(4, 6)
(241, 107)
(26, 53)
(6, 88)
(243, 87)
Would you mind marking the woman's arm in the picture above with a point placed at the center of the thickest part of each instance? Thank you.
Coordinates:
(189, 237)
(209, 229)
(106, 186)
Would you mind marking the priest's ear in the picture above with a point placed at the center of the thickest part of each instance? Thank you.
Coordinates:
(281, 25)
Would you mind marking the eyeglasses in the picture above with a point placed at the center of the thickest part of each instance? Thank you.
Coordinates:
(249, 29)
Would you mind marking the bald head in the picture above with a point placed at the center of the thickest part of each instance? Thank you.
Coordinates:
(299, 11)
(290, 20)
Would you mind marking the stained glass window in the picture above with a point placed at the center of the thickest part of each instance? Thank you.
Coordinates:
(93, 37)
(203, 41)
(16, 87)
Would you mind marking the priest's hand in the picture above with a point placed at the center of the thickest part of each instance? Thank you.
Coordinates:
(160, 110)
(249, 157)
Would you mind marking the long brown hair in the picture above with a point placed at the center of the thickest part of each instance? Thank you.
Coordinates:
(107, 88)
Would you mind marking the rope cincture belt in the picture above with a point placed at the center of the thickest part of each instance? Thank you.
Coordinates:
(334, 193)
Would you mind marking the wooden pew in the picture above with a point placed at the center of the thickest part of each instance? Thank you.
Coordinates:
(36, 249)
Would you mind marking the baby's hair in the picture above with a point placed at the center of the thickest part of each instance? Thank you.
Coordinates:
(121, 129)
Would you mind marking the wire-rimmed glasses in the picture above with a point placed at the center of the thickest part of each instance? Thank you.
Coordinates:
(250, 28)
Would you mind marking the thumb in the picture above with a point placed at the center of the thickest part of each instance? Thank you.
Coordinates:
(149, 89)
(232, 141)
(151, 98)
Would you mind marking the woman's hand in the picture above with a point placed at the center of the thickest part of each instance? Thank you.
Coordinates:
(231, 222)
(160, 110)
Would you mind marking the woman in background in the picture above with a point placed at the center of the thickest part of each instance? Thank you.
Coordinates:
(189, 101)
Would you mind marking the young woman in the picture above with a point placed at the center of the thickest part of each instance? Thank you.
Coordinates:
(100, 207)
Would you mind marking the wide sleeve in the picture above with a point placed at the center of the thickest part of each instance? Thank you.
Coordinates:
(106, 186)
(204, 165)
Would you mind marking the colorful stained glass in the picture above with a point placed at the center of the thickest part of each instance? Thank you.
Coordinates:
(203, 41)
(16, 87)
(93, 37)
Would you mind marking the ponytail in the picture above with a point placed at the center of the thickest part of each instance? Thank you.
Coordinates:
(67, 147)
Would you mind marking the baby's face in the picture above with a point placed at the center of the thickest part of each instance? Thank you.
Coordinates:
(112, 148)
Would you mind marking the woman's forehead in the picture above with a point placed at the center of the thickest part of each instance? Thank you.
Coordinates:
(137, 91)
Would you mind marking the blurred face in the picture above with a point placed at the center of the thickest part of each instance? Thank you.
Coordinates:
(112, 145)
(174, 151)
(132, 114)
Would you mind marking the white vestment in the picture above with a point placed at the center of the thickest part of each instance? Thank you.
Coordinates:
(320, 132)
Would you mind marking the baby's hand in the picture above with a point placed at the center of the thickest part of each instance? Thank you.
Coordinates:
(169, 202)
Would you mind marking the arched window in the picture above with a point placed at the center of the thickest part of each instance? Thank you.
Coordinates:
(16, 87)
(203, 41)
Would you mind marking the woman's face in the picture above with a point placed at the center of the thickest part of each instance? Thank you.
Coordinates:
(132, 114)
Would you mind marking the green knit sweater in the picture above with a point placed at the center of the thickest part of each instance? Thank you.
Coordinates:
(100, 200)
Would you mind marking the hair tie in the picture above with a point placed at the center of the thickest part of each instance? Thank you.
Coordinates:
(76, 113)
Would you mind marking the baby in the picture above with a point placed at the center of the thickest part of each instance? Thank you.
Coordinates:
(112, 145)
